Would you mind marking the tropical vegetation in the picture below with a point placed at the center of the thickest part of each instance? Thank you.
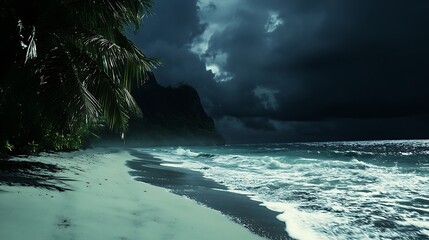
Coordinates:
(67, 68)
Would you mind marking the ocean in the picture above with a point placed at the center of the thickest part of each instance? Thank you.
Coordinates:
(326, 190)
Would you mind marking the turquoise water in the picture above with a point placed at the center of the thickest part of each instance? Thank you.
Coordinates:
(331, 190)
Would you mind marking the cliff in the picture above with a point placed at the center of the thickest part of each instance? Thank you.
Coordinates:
(171, 116)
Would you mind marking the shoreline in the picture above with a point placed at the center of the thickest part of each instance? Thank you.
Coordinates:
(100, 200)
(184, 182)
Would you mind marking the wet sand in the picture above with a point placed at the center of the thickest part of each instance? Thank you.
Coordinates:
(240, 208)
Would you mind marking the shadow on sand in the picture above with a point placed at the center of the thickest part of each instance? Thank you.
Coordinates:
(32, 174)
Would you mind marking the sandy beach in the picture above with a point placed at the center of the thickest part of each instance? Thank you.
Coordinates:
(90, 194)
(240, 207)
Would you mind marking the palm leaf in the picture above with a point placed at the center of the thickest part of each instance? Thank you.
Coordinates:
(116, 102)
(31, 48)
(66, 97)
(88, 67)
(121, 59)
(107, 14)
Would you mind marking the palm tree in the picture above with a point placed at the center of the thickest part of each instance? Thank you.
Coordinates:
(77, 52)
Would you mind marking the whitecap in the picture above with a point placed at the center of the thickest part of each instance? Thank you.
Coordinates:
(299, 223)
(274, 164)
(185, 152)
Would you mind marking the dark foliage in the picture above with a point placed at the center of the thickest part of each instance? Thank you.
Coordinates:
(67, 68)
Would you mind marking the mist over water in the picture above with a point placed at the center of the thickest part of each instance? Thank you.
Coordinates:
(332, 190)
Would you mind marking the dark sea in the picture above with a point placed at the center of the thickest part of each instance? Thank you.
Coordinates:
(326, 190)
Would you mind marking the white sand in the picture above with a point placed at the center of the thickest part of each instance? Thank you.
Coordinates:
(106, 204)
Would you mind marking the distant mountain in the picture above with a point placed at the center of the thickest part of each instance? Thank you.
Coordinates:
(171, 116)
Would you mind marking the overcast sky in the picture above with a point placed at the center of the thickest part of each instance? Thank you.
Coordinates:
(298, 70)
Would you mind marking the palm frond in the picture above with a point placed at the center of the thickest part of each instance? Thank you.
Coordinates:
(31, 47)
(120, 58)
(110, 14)
(116, 102)
(66, 97)
(89, 67)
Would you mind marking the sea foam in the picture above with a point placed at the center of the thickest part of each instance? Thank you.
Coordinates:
(351, 190)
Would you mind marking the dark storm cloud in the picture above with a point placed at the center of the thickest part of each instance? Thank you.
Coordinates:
(166, 35)
(298, 69)
(328, 130)
(329, 59)
(174, 22)
(262, 124)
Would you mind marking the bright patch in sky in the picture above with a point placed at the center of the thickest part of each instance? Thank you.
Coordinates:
(274, 21)
(214, 16)
(220, 76)
(214, 68)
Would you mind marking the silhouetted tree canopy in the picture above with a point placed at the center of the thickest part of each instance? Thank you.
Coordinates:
(67, 66)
